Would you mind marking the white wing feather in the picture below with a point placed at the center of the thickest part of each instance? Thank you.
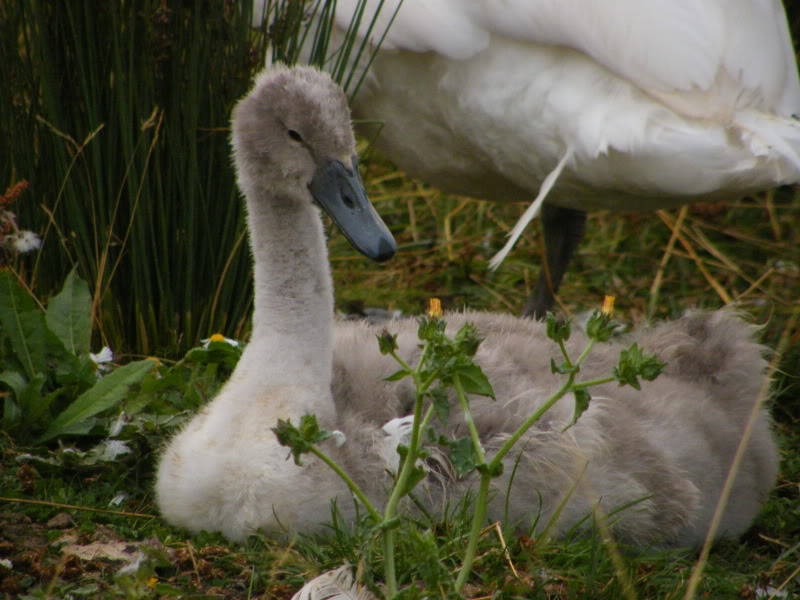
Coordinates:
(699, 57)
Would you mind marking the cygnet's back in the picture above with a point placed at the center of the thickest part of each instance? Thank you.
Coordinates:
(666, 450)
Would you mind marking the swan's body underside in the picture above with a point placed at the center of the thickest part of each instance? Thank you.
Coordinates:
(666, 449)
(495, 126)
(661, 102)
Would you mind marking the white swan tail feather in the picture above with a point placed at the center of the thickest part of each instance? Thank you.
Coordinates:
(532, 210)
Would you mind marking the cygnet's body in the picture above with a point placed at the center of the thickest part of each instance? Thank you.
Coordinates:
(665, 451)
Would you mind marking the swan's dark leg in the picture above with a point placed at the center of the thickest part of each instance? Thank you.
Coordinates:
(563, 231)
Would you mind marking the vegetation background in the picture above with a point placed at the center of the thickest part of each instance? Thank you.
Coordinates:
(117, 114)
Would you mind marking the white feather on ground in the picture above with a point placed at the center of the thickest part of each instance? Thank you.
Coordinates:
(334, 585)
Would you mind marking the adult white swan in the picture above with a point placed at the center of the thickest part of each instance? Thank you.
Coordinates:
(663, 452)
(628, 104)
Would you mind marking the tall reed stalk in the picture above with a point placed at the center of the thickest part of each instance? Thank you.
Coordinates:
(117, 113)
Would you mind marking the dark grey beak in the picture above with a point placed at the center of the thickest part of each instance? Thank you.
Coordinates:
(340, 192)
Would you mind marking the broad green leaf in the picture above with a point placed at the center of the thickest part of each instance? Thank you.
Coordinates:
(107, 392)
(23, 324)
(12, 412)
(31, 401)
(69, 314)
(474, 381)
(16, 381)
(217, 353)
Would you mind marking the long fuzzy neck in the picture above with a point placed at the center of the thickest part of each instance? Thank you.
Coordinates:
(292, 339)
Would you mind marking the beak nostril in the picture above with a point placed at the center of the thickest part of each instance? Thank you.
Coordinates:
(348, 201)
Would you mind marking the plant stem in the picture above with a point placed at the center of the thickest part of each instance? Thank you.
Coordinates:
(389, 573)
(509, 443)
(564, 353)
(585, 352)
(400, 484)
(478, 518)
(473, 431)
(481, 500)
(403, 363)
(591, 382)
(405, 472)
(350, 483)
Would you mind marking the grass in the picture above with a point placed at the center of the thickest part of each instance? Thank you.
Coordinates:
(443, 249)
(657, 265)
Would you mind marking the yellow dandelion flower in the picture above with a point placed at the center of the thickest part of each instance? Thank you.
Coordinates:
(608, 305)
(434, 308)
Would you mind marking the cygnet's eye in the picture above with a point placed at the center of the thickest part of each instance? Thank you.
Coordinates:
(295, 136)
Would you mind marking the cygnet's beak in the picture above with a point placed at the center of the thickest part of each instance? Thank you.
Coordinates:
(340, 192)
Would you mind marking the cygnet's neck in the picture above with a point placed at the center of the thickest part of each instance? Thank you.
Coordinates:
(292, 337)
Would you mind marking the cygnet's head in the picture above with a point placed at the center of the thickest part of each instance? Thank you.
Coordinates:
(290, 121)
(293, 139)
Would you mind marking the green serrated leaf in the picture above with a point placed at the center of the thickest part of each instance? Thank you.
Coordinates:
(107, 392)
(474, 380)
(311, 431)
(634, 364)
(69, 315)
(387, 342)
(600, 327)
(431, 329)
(300, 439)
(582, 400)
(557, 330)
(651, 367)
(467, 340)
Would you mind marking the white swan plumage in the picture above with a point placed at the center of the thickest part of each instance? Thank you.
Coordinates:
(651, 103)
(664, 452)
